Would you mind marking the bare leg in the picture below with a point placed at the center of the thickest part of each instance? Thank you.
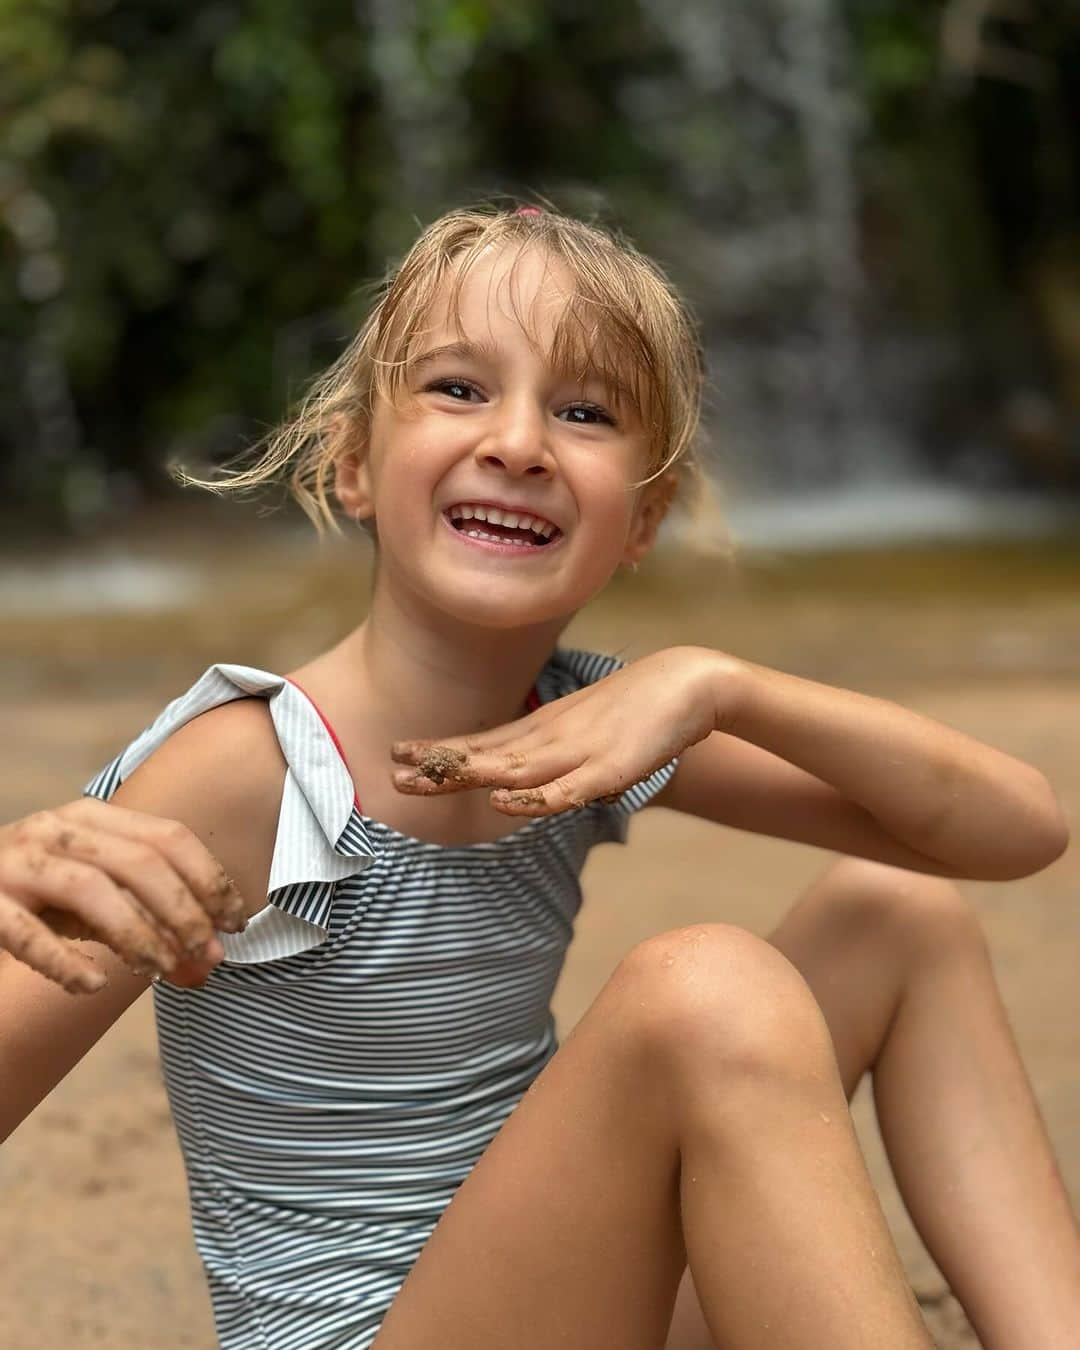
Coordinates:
(694, 1113)
(899, 965)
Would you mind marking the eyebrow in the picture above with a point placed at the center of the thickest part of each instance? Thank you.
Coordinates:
(484, 351)
(464, 350)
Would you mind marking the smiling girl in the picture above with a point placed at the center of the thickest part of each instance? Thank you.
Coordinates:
(384, 1143)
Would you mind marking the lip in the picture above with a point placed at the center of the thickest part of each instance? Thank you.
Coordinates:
(504, 550)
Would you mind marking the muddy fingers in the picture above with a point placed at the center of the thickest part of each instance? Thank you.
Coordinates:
(195, 875)
(30, 941)
(145, 886)
(141, 869)
(110, 912)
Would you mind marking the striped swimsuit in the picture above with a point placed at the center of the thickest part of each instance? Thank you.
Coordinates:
(366, 1036)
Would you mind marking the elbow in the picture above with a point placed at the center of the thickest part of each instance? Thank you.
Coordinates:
(1053, 841)
(1052, 832)
(1044, 836)
(1036, 836)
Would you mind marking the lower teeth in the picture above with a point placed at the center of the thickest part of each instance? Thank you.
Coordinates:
(497, 539)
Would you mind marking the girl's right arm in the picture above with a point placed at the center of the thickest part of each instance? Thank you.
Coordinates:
(205, 800)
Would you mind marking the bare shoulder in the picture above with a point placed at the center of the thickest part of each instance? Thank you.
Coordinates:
(221, 775)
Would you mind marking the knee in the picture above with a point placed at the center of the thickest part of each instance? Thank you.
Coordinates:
(910, 912)
(714, 996)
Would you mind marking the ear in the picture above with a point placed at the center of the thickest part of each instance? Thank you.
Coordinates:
(352, 478)
(650, 510)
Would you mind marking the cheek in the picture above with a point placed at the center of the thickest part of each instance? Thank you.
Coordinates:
(613, 505)
(407, 479)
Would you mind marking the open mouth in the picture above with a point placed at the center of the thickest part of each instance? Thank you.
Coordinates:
(491, 525)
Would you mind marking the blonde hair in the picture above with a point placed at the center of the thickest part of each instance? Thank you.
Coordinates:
(623, 321)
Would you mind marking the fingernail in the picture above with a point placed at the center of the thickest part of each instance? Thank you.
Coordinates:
(212, 951)
(147, 962)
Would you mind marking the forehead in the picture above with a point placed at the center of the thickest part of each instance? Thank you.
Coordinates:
(506, 294)
(501, 290)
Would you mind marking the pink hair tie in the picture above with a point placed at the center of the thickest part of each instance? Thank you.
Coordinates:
(528, 211)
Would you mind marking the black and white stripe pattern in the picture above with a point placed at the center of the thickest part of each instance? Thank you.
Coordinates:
(345, 1067)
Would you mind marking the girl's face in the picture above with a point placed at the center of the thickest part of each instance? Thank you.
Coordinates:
(490, 430)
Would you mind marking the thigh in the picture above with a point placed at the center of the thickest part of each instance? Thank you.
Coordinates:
(688, 1329)
(567, 1231)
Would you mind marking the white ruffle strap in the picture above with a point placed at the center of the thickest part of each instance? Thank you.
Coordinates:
(320, 839)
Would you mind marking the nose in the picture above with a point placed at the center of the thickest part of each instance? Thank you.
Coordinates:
(517, 442)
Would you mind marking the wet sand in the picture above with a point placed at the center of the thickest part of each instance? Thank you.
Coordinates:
(93, 1213)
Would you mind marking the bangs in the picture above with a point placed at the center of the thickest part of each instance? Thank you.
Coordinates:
(594, 341)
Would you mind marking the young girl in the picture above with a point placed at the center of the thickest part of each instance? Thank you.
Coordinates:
(510, 426)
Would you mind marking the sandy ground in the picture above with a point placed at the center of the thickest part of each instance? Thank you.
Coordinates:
(93, 1212)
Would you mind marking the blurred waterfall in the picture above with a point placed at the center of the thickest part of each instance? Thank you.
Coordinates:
(817, 80)
(794, 57)
(825, 411)
(776, 254)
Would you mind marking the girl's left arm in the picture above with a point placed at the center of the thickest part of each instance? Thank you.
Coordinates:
(861, 775)
(766, 752)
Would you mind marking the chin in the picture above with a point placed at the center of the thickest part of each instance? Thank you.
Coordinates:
(503, 613)
(506, 603)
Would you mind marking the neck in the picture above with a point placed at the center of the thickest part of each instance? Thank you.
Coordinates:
(432, 676)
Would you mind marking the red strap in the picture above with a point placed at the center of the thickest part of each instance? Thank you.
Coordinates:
(333, 735)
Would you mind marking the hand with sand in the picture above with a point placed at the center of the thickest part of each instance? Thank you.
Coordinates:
(146, 887)
(590, 745)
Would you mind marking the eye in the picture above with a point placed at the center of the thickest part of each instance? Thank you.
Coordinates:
(459, 390)
(590, 411)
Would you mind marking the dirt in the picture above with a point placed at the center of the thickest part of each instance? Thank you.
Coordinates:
(440, 763)
(93, 1211)
(533, 798)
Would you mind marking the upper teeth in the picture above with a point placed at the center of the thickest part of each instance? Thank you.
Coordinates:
(494, 516)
